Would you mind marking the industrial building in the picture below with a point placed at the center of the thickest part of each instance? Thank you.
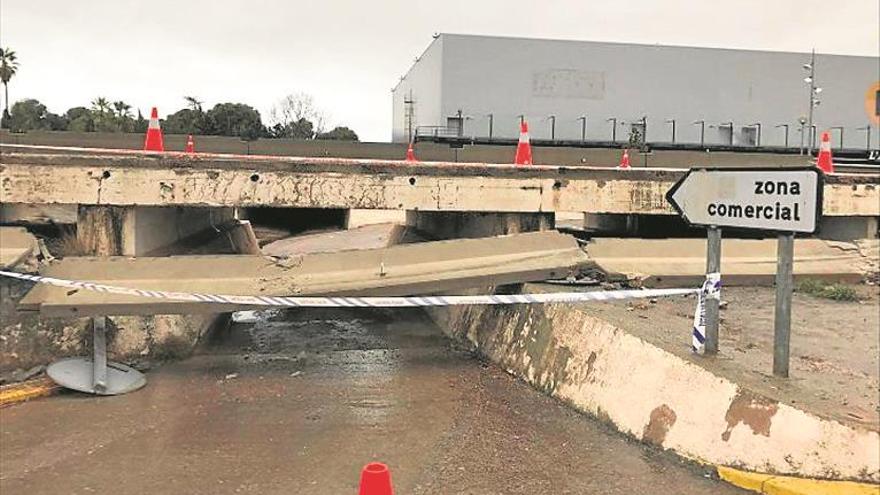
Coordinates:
(482, 86)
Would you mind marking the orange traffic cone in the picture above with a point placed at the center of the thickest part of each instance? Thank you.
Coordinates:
(410, 154)
(190, 144)
(153, 141)
(523, 149)
(376, 480)
(624, 160)
(824, 161)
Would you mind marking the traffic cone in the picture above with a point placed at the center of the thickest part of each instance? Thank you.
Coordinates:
(410, 154)
(190, 144)
(523, 149)
(376, 480)
(624, 160)
(824, 161)
(153, 141)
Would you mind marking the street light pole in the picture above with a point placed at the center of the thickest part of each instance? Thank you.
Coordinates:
(728, 124)
(786, 132)
(867, 130)
(552, 119)
(702, 131)
(583, 119)
(814, 101)
(613, 121)
(491, 121)
(839, 128)
(672, 121)
(757, 126)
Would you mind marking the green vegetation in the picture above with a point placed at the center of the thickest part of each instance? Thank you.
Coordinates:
(834, 291)
(8, 68)
(295, 116)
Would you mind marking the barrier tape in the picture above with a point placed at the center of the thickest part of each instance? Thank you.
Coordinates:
(711, 290)
(361, 302)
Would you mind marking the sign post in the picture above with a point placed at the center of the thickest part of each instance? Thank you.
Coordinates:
(782, 200)
(782, 320)
(713, 265)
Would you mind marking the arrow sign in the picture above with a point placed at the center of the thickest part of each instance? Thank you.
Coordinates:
(782, 200)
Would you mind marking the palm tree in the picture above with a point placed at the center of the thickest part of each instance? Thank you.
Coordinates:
(100, 105)
(8, 68)
(122, 108)
(194, 103)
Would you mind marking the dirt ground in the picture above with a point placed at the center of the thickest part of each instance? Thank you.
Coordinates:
(298, 402)
(835, 346)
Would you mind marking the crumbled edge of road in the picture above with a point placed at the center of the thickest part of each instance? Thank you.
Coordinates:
(27, 390)
(771, 484)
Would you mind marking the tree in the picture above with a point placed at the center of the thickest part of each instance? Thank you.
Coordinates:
(301, 129)
(339, 134)
(190, 120)
(111, 117)
(8, 68)
(291, 113)
(30, 115)
(79, 119)
(234, 119)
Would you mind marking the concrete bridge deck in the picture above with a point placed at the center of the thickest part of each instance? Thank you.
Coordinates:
(57, 175)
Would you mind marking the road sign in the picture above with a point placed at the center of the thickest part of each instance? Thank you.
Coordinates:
(781, 200)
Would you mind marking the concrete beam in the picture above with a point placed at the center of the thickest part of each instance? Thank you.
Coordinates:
(119, 177)
(422, 268)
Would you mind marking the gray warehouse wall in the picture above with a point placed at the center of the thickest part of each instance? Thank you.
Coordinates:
(512, 76)
(422, 82)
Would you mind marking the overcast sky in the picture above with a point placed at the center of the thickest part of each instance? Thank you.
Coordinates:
(349, 53)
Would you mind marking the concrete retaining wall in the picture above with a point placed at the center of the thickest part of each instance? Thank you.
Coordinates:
(657, 397)
(28, 340)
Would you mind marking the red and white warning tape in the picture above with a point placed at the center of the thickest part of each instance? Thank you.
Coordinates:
(369, 302)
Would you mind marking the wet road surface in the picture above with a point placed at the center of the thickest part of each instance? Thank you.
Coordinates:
(298, 402)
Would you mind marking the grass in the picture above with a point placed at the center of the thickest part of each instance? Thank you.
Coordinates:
(825, 290)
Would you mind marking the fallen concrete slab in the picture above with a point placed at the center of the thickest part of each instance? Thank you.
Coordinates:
(373, 236)
(16, 245)
(682, 262)
(422, 268)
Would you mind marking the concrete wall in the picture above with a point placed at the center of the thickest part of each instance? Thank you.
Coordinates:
(658, 397)
(143, 230)
(397, 151)
(512, 76)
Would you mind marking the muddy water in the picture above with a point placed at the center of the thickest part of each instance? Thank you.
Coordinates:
(298, 402)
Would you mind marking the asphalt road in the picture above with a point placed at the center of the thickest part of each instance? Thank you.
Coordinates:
(298, 402)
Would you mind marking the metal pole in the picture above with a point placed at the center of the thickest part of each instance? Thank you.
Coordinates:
(491, 119)
(99, 346)
(812, 90)
(672, 121)
(613, 121)
(784, 283)
(786, 132)
(553, 128)
(583, 120)
(713, 265)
